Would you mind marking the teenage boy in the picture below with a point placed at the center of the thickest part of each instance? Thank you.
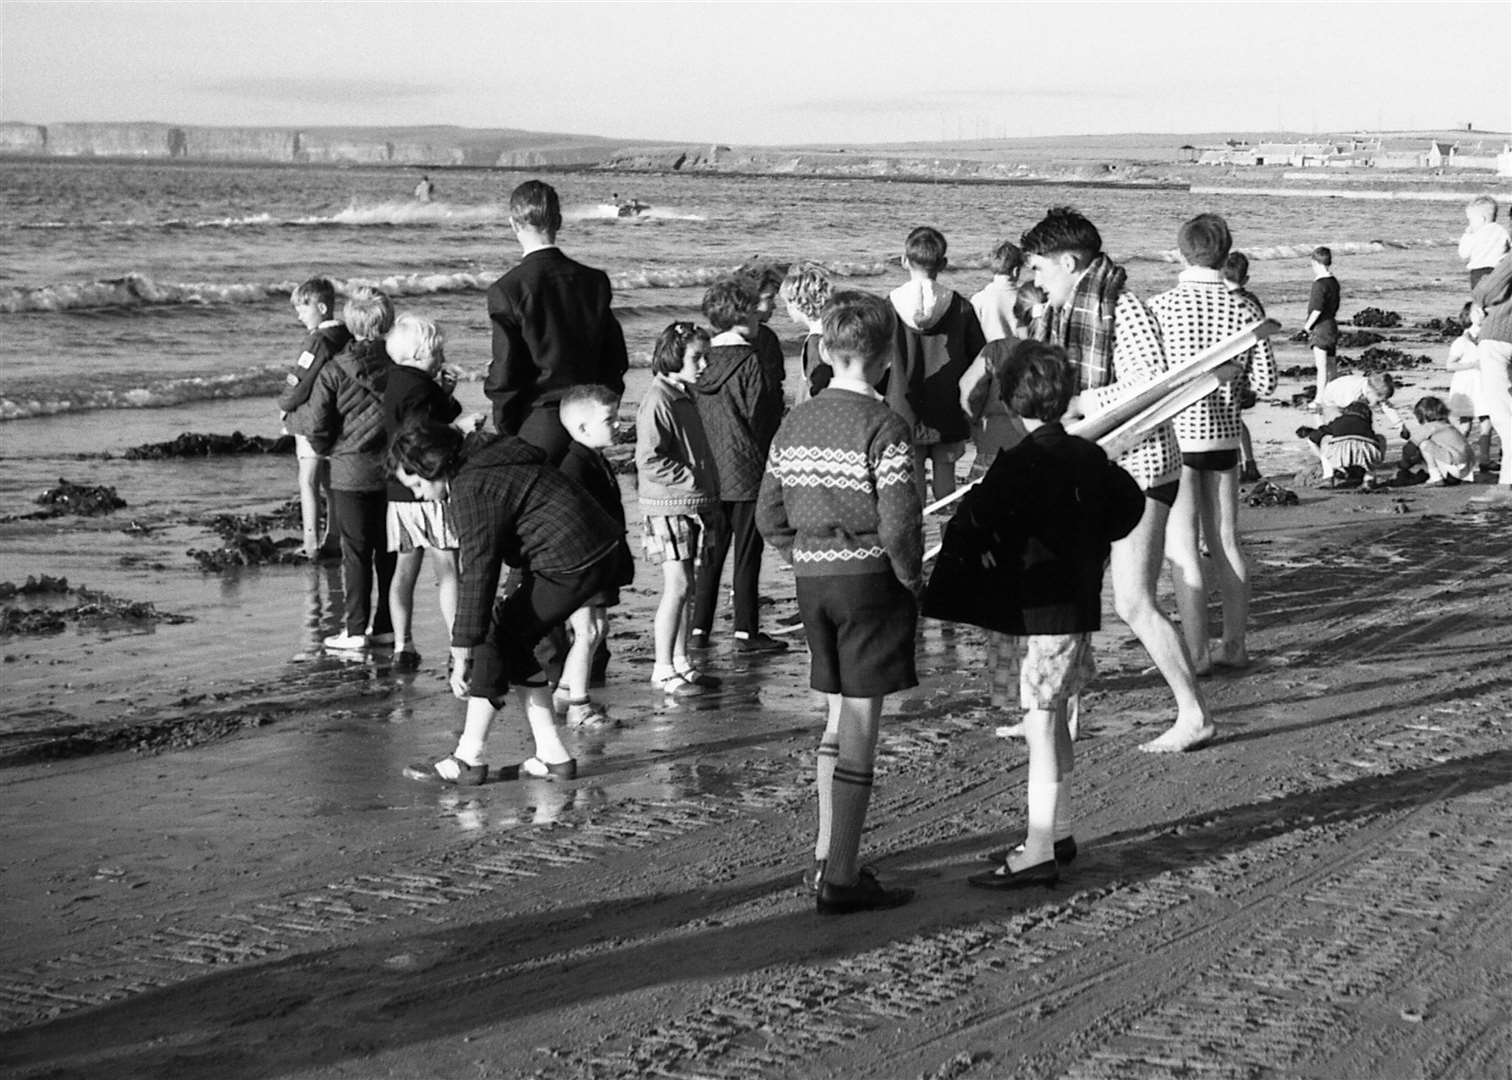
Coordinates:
(840, 503)
(552, 327)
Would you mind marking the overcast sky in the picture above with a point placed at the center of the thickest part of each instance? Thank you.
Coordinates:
(765, 72)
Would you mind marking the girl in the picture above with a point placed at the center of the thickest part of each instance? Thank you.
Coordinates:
(1465, 396)
(678, 488)
(806, 290)
(1435, 447)
(1348, 446)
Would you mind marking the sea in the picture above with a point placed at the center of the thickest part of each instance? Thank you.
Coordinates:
(139, 301)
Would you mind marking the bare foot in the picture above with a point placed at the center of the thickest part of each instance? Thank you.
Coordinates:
(1181, 738)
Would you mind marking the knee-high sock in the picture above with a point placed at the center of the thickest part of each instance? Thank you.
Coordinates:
(1039, 839)
(850, 798)
(829, 754)
(1062, 827)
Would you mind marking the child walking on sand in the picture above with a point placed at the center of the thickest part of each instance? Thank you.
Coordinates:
(1024, 555)
(936, 339)
(591, 416)
(315, 307)
(419, 391)
(679, 491)
(840, 503)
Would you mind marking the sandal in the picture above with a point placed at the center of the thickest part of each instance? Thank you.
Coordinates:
(588, 714)
(450, 770)
(543, 770)
(698, 678)
(676, 686)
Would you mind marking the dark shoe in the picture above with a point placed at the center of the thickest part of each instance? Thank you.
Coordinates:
(867, 894)
(1452, 481)
(542, 770)
(1065, 852)
(813, 877)
(450, 770)
(406, 660)
(759, 643)
(698, 640)
(1045, 873)
(697, 678)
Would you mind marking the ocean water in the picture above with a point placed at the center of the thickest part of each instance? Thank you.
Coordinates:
(138, 301)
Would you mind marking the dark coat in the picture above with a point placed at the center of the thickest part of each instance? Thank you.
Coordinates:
(346, 409)
(1045, 517)
(593, 473)
(740, 416)
(412, 397)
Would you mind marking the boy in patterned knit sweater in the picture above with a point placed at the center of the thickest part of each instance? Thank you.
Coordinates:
(839, 501)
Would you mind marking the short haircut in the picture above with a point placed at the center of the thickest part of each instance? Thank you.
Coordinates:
(1382, 383)
(534, 203)
(315, 290)
(1322, 256)
(765, 279)
(1428, 409)
(1035, 381)
(588, 394)
(808, 288)
(925, 248)
(1063, 229)
(672, 347)
(1007, 259)
(1357, 409)
(1486, 203)
(1029, 297)
(368, 312)
(1205, 241)
(428, 338)
(1236, 268)
(858, 326)
(729, 302)
(430, 451)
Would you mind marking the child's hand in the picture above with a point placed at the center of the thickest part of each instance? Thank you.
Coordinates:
(1306, 432)
(461, 672)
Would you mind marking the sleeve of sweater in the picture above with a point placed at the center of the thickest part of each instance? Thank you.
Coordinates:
(1123, 502)
(900, 515)
(1138, 353)
(772, 520)
(326, 428)
(1260, 367)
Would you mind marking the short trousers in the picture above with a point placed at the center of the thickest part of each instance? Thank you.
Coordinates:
(1211, 460)
(1324, 335)
(671, 538)
(415, 525)
(1052, 668)
(860, 630)
(303, 450)
(1164, 494)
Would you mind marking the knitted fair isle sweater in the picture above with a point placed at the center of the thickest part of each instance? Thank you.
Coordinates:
(838, 497)
(1197, 314)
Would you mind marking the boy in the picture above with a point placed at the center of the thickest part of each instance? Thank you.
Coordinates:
(1374, 390)
(1024, 555)
(315, 307)
(1322, 324)
(1485, 240)
(740, 415)
(936, 339)
(995, 305)
(805, 291)
(552, 327)
(417, 394)
(510, 506)
(1197, 314)
(840, 503)
(591, 416)
(1236, 277)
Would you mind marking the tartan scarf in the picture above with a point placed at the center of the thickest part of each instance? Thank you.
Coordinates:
(1084, 327)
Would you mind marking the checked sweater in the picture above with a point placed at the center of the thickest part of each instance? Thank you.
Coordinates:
(839, 496)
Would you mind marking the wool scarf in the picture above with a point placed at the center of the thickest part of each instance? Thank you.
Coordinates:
(1084, 327)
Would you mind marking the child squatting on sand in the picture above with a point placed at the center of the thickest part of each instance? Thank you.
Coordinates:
(839, 502)
(1024, 555)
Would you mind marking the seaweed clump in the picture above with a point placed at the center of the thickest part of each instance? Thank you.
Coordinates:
(193, 445)
(90, 608)
(245, 540)
(87, 500)
(1375, 317)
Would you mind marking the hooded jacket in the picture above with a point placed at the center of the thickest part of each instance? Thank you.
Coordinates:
(740, 415)
(346, 410)
(937, 337)
(320, 344)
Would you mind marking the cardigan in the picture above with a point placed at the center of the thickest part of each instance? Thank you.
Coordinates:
(673, 463)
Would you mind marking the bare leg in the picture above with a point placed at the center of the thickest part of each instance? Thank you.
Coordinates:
(1327, 370)
(1220, 520)
(401, 597)
(587, 625)
(1183, 550)
(536, 701)
(942, 468)
(309, 503)
(671, 629)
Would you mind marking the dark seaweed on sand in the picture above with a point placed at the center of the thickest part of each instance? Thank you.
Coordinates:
(1383, 320)
(1387, 359)
(246, 541)
(88, 500)
(90, 608)
(191, 444)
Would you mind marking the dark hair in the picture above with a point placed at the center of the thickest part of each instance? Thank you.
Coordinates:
(1236, 268)
(316, 290)
(1205, 241)
(857, 325)
(588, 394)
(430, 451)
(925, 248)
(1035, 381)
(729, 302)
(1007, 259)
(1322, 255)
(1429, 409)
(534, 203)
(1063, 229)
(765, 279)
(672, 347)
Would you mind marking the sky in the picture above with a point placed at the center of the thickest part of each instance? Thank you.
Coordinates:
(766, 73)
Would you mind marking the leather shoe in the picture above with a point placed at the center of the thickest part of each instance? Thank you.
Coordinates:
(548, 770)
(758, 644)
(1045, 873)
(1065, 852)
(813, 877)
(867, 894)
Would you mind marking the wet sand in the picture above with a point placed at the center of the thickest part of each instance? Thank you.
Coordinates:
(257, 892)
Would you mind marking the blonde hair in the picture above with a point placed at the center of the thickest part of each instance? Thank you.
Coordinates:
(368, 313)
(425, 338)
(807, 287)
(1486, 203)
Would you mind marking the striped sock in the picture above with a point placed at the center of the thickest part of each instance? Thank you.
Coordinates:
(829, 754)
(850, 798)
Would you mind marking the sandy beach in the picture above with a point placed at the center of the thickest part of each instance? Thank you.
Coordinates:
(215, 868)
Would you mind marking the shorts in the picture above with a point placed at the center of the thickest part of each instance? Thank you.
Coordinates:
(671, 538)
(860, 630)
(412, 526)
(1324, 335)
(1211, 460)
(1164, 494)
(303, 450)
(1053, 668)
